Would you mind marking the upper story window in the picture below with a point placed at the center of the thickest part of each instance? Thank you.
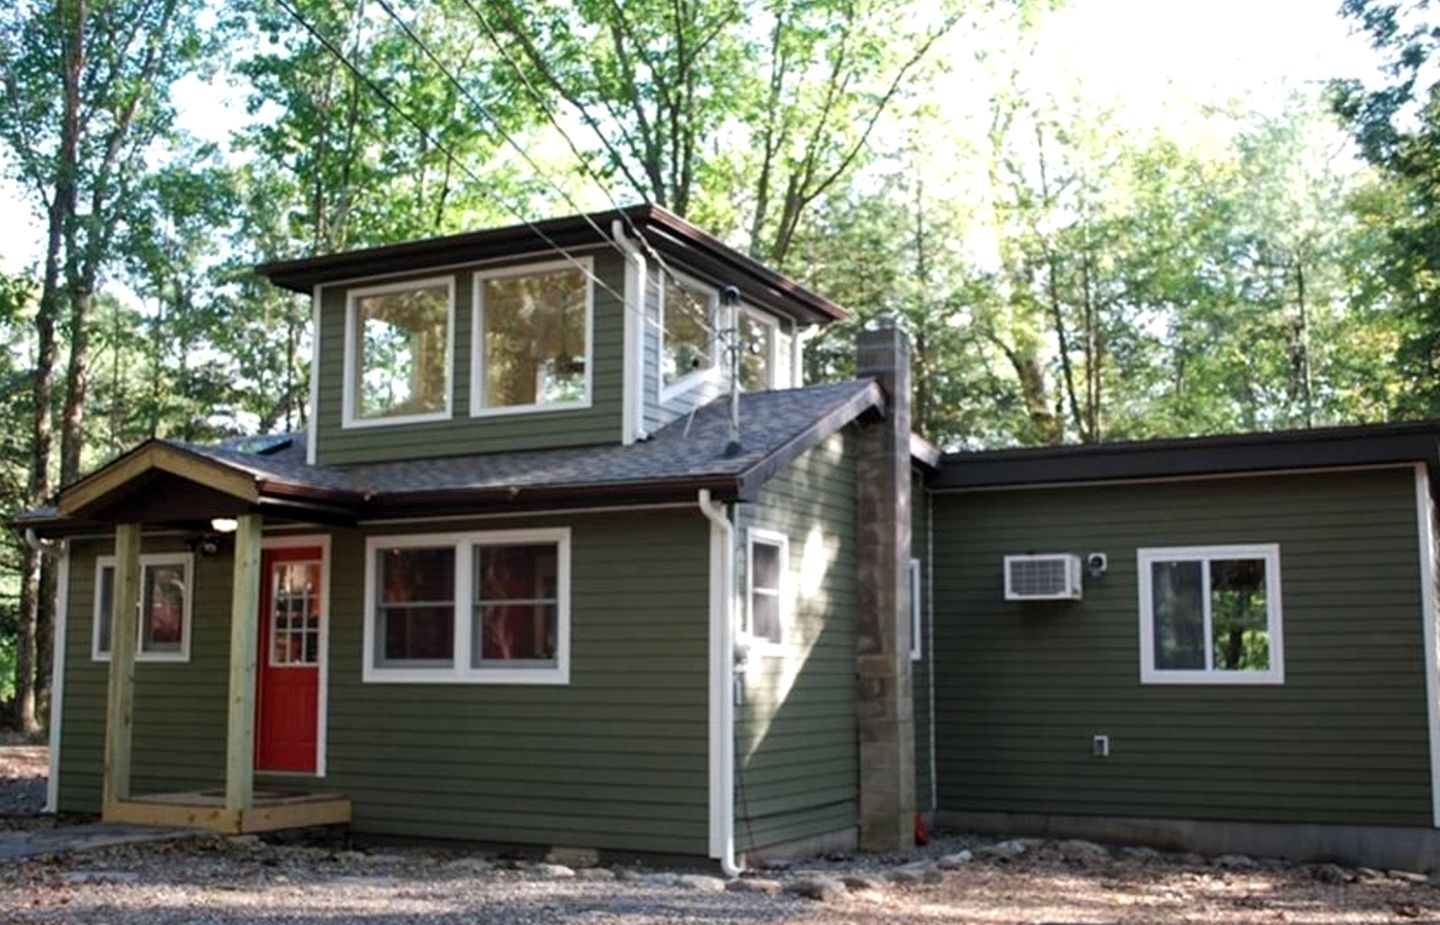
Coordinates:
(491, 607)
(760, 360)
(398, 352)
(688, 316)
(1211, 615)
(533, 340)
(165, 592)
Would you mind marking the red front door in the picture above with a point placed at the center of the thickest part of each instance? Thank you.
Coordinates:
(288, 680)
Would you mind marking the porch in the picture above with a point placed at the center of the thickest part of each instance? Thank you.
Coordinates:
(163, 490)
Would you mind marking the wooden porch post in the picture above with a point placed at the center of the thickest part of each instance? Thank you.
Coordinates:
(120, 699)
(244, 617)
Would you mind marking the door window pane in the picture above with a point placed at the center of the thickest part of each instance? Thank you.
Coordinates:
(517, 605)
(416, 612)
(536, 335)
(1179, 615)
(295, 614)
(402, 352)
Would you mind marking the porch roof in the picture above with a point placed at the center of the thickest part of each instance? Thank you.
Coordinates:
(681, 458)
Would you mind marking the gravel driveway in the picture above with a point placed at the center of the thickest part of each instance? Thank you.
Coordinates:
(22, 779)
(210, 880)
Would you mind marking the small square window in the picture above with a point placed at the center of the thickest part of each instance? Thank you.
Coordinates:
(768, 568)
(164, 607)
(916, 610)
(759, 335)
(1211, 615)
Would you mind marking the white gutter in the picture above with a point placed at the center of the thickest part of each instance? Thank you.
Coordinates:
(722, 684)
(637, 279)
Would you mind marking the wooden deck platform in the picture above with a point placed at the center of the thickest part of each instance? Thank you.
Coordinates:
(273, 810)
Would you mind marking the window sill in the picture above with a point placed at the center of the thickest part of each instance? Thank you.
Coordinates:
(363, 423)
(509, 410)
(689, 383)
(1223, 678)
(173, 658)
(478, 676)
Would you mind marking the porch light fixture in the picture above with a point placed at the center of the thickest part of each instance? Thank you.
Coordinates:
(224, 524)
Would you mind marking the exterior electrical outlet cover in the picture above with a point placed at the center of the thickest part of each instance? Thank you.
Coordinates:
(1052, 577)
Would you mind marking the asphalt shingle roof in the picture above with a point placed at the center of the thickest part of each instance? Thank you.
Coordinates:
(691, 448)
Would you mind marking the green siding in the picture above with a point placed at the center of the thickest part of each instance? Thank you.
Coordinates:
(600, 423)
(797, 759)
(615, 760)
(1022, 688)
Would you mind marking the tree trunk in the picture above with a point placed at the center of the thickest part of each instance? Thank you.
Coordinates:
(60, 214)
(77, 380)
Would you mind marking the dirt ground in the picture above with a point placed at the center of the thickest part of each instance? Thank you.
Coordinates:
(22, 780)
(214, 880)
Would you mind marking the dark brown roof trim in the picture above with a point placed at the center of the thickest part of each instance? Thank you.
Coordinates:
(672, 234)
(1335, 447)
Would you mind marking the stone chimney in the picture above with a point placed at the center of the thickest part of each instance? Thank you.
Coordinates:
(882, 658)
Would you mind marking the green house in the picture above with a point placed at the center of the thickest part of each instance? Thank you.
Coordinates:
(571, 558)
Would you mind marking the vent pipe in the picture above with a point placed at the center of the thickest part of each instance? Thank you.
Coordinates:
(730, 303)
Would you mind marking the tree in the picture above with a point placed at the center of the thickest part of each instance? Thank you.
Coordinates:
(85, 87)
(1397, 126)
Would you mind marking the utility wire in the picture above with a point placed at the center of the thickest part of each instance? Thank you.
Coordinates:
(509, 139)
(435, 143)
(584, 162)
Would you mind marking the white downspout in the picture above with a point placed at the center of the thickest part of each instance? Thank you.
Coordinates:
(722, 683)
(637, 282)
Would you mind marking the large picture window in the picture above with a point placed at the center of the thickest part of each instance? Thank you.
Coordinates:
(688, 322)
(532, 349)
(490, 607)
(165, 606)
(1211, 615)
(398, 352)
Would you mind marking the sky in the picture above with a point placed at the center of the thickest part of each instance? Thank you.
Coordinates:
(1150, 59)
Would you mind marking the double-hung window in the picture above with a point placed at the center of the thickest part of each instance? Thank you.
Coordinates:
(688, 320)
(767, 570)
(490, 607)
(1211, 615)
(759, 351)
(533, 338)
(165, 605)
(398, 350)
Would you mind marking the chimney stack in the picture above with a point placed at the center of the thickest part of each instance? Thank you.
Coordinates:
(886, 708)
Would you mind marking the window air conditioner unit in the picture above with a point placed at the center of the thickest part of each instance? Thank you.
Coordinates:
(1053, 577)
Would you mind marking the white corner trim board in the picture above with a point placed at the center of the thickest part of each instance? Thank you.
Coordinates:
(57, 677)
(1425, 524)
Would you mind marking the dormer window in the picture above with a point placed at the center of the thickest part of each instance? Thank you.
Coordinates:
(759, 351)
(533, 339)
(688, 321)
(398, 353)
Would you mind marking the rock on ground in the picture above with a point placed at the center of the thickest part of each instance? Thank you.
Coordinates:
(820, 889)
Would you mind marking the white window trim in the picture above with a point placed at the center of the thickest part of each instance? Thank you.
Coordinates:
(350, 420)
(158, 558)
(758, 645)
(459, 671)
(917, 620)
(704, 374)
(1149, 674)
(773, 323)
(586, 265)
